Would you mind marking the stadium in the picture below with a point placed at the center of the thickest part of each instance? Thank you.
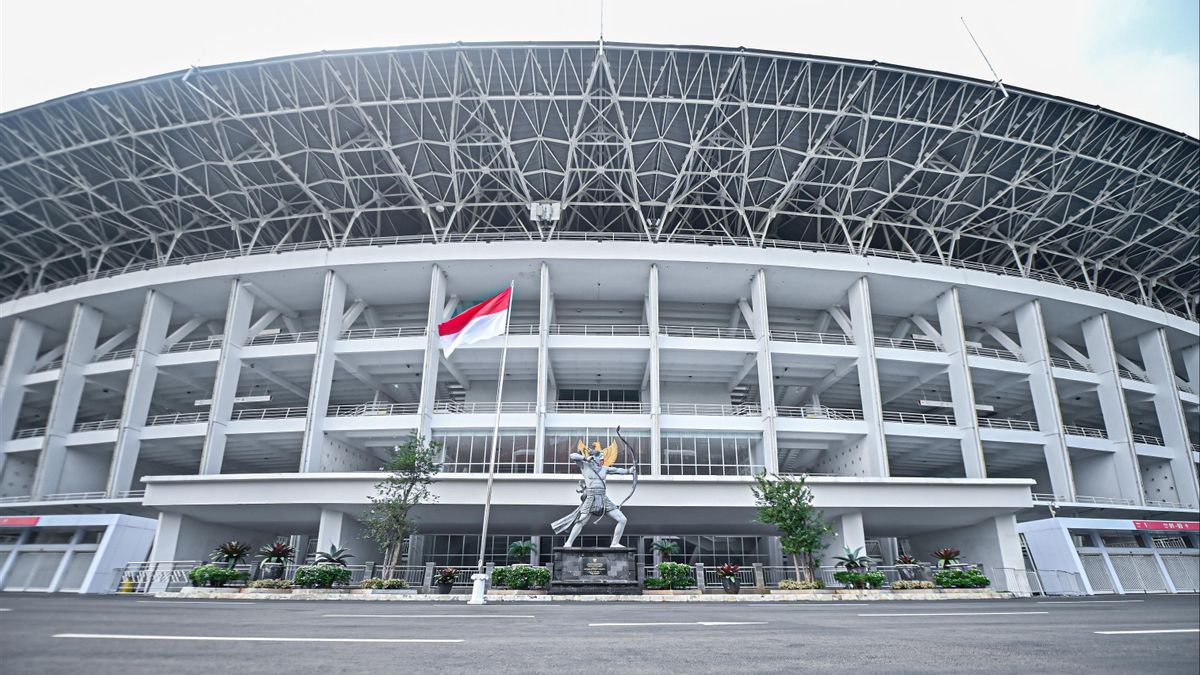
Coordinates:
(967, 313)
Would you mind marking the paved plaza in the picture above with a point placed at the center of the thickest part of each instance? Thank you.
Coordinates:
(128, 635)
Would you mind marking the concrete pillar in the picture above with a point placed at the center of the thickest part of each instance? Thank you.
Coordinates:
(229, 371)
(333, 303)
(1097, 336)
(875, 443)
(23, 344)
(655, 380)
(180, 537)
(81, 344)
(962, 391)
(342, 530)
(23, 538)
(545, 317)
(994, 542)
(139, 390)
(1156, 356)
(847, 533)
(1191, 365)
(429, 369)
(766, 373)
(1031, 331)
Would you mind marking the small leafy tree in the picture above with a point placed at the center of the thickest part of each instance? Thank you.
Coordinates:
(231, 553)
(786, 503)
(411, 470)
(520, 550)
(666, 548)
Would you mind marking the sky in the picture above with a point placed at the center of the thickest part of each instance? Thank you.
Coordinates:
(1138, 57)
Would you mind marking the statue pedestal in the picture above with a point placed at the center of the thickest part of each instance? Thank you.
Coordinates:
(595, 570)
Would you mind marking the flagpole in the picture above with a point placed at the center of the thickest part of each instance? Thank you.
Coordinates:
(487, 498)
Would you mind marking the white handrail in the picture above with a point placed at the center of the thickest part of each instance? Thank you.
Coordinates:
(194, 345)
(1148, 440)
(372, 409)
(31, 432)
(1074, 430)
(918, 345)
(97, 425)
(917, 418)
(1002, 423)
(724, 410)
(114, 355)
(284, 338)
(611, 330)
(176, 418)
(1130, 375)
(720, 332)
(383, 332)
(269, 413)
(814, 338)
(819, 412)
(1059, 362)
(479, 407)
(599, 407)
(993, 353)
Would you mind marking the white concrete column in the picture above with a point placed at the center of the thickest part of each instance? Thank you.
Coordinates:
(22, 540)
(962, 392)
(19, 357)
(1097, 336)
(1031, 330)
(65, 561)
(180, 537)
(543, 367)
(655, 379)
(333, 303)
(847, 533)
(429, 369)
(994, 542)
(342, 530)
(1156, 356)
(875, 443)
(81, 344)
(1191, 364)
(766, 373)
(139, 390)
(229, 371)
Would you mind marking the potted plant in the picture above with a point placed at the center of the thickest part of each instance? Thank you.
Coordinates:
(519, 551)
(214, 576)
(334, 556)
(729, 581)
(854, 560)
(274, 560)
(322, 576)
(671, 577)
(232, 553)
(665, 548)
(946, 557)
(908, 568)
(445, 580)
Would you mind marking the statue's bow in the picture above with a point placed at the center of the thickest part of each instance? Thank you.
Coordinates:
(632, 467)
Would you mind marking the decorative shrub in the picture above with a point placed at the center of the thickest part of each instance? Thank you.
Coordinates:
(231, 553)
(793, 585)
(270, 583)
(322, 576)
(214, 576)
(905, 585)
(861, 579)
(656, 584)
(278, 552)
(676, 575)
(334, 556)
(946, 556)
(728, 571)
(520, 577)
(874, 579)
(961, 579)
(907, 560)
(446, 575)
(383, 584)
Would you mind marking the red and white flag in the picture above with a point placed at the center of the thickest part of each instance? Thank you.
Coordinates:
(488, 319)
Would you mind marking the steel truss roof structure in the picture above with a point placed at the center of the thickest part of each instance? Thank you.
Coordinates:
(651, 142)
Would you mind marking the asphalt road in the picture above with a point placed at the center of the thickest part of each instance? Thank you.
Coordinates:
(92, 634)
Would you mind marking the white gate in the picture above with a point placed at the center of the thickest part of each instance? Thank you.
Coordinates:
(1138, 572)
(1184, 570)
(1097, 572)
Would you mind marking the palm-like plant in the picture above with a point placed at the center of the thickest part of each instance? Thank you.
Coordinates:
(666, 548)
(907, 560)
(947, 556)
(231, 553)
(278, 552)
(520, 550)
(853, 560)
(334, 556)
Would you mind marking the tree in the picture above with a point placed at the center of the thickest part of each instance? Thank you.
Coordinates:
(412, 469)
(786, 503)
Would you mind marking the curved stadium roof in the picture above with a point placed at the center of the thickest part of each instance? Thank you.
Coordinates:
(638, 141)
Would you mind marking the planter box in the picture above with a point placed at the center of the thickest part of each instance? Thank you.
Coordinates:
(813, 591)
(678, 591)
(266, 591)
(383, 591)
(517, 591)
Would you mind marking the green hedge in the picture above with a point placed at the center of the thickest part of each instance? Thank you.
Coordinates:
(212, 575)
(322, 576)
(861, 579)
(961, 579)
(673, 575)
(520, 577)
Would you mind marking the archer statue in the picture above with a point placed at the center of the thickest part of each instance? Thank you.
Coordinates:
(595, 465)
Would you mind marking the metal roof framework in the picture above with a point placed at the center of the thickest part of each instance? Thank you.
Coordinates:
(649, 142)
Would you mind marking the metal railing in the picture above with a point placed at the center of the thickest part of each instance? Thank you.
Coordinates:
(598, 407)
(269, 413)
(194, 345)
(130, 494)
(1055, 582)
(1148, 440)
(16, 499)
(284, 338)
(114, 355)
(724, 410)
(521, 237)
(612, 330)
(1130, 375)
(372, 409)
(1089, 432)
(1002, 423)
(53, 365)
(905, 343)
(718, 332)
(1165, 503)
(816, 338)
(993, 353)
(73, 496)
(1088, 499)
(1059, 362)
(1049, 498)
(176, 418)
(379, 333)
(457, 408)
(819, 412)
(31, 432)
(97, 425)
(917, 418)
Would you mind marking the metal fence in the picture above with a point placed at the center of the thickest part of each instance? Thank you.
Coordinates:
(818, 412)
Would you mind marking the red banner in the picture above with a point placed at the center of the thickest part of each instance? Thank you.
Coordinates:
(1166, 525)
(18, 521)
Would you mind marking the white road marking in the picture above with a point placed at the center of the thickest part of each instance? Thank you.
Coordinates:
(1147, 632)
(1080, 602)
(196, 602)
(684, 623)
(234, 638)
(5, 609)
(429, 616)
(953, 614)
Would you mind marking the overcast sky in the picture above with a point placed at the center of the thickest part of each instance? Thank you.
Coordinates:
(1139, 57)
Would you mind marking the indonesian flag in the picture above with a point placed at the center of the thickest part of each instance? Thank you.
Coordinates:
(486, 320)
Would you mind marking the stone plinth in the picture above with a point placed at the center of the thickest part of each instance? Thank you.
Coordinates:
(595, 570)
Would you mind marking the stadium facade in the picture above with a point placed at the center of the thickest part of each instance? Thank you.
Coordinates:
(969, 317)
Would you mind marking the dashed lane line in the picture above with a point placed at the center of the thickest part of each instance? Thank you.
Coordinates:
(429, 616)
(683, 623)
(196, 602)
(952, 613)
(236, 638)
(1081, 602)
(1147, 632)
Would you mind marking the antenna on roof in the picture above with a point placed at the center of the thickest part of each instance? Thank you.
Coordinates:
(995, 76)
(601, 25)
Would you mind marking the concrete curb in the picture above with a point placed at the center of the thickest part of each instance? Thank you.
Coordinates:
(799, 596)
